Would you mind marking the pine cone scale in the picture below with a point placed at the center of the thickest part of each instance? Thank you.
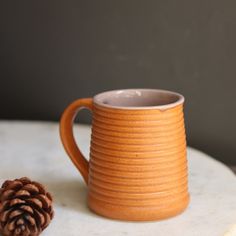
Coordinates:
(27, 209)
(15, 185)
(35, 202)
(7, 194)
(20, 222)
(40, 187)
(14, 213)
(22, 193)
(40, 218)
(16, 201)
(11, 225)
(4, 215)
(32, 189)
(45, 201)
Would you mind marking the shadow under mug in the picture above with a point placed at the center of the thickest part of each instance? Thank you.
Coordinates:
(138, 168)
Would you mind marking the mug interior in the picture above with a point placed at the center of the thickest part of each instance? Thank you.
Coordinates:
(139, 98)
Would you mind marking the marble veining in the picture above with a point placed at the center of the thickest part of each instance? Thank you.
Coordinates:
(33, 149)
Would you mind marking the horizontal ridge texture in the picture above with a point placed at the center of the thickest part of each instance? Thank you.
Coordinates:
(138, 159)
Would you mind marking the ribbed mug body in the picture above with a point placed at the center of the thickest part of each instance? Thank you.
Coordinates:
(138, 165)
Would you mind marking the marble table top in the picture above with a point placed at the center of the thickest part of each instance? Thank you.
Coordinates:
(33, 149)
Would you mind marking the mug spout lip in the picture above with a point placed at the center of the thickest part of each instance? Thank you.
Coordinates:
(103, 99)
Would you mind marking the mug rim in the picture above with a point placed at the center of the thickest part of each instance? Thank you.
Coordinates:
(180, 100)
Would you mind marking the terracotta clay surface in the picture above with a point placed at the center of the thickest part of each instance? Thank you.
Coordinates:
(138, 168)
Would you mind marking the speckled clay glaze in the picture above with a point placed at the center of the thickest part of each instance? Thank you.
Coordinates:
(138, 168)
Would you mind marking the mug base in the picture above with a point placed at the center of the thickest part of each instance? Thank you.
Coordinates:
(130, 213)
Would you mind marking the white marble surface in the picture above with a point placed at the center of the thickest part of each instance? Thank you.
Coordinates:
(33, 149)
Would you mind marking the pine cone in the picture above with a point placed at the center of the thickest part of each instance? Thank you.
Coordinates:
(25, 208)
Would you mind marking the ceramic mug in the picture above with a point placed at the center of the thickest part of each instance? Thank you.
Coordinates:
(138, 168)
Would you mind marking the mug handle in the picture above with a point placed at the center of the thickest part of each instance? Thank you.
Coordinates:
(67, 137)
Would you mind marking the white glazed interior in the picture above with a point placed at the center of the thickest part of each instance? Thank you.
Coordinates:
(139, 99)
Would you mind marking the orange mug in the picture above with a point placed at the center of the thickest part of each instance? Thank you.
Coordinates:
(138, 168)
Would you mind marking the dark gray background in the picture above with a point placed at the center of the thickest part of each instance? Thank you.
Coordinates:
(52, 52)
